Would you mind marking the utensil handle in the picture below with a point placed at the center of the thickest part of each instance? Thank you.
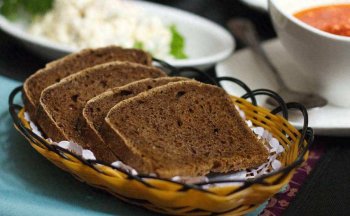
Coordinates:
(245, 31)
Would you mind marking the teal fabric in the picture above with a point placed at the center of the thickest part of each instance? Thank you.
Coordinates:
(30, 185)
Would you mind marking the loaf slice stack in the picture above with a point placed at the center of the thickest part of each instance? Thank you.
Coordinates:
(59, 69)
(113, 102)
(61, 104)
(97, 108)
(183, 128)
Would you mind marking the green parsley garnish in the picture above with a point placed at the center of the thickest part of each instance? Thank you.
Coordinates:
(138, 45)
(12, 9)
(177, 45)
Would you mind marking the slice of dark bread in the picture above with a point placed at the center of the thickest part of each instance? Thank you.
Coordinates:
(184, 128)
(97, 108)
(61, 105)
(59, 69)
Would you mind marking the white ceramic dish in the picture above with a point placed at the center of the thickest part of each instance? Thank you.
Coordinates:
(323, 57)
(329, 120)
(206, 42)
(258, 4)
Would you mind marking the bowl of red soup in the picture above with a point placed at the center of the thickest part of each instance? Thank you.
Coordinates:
(317, 35)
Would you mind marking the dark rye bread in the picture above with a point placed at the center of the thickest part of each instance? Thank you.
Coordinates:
(61, 104)
(97, 108)
(59, 69)
(184, 128)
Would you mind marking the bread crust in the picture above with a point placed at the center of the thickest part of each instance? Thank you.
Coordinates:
(73, 63)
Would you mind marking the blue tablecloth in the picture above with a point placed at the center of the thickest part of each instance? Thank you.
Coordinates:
(30, 185)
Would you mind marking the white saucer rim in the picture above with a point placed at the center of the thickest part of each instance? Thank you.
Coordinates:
(258, 4)
(319, 129)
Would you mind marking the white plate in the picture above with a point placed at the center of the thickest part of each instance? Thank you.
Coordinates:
(259, 4)
(206, 42)
(328, 120)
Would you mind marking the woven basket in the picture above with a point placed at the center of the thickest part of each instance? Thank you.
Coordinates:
(237, 197)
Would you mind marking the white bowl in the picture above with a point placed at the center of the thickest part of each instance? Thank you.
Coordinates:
(323, 57)
(206, 42)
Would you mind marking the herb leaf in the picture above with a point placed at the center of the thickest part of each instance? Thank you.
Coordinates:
(177, 45)
(37, 7)
(12, 9)
(8, 8)
(138, 45)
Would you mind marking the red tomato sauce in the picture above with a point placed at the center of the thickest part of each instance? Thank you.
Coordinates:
(334, 19)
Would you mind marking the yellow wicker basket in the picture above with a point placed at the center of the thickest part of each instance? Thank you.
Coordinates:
(166, 196)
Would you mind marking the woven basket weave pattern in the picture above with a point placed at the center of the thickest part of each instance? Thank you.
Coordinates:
(170, 197)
